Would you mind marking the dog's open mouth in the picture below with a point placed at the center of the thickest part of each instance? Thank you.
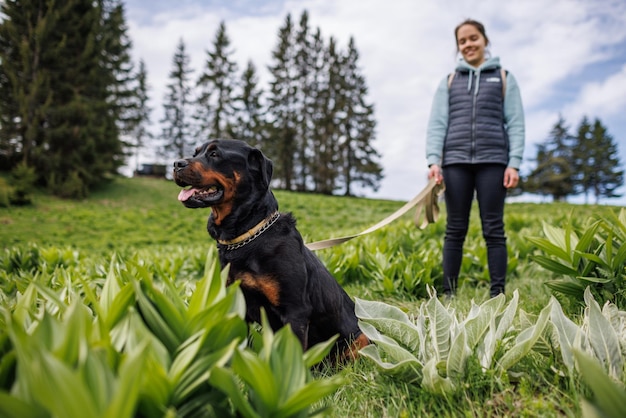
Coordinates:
(206, 195)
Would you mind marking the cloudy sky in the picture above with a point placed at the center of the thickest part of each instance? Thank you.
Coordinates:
(568, 56)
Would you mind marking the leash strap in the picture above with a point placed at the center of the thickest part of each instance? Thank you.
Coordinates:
(426, 212)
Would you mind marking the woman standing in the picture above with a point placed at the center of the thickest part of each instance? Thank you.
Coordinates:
(475, 140)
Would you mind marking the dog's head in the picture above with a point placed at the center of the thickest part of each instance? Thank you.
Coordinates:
(220, 173)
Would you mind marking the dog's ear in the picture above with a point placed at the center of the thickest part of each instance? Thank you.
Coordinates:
(261, 166)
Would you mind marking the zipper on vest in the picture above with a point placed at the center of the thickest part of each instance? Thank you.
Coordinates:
(473, 135)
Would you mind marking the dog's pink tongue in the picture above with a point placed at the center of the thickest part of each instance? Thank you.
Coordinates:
(186, 194)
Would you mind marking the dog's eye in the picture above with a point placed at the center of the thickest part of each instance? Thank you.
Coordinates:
(212, 154)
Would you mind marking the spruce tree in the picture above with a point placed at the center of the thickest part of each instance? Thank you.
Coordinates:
(554, 174)
(217, 84)
(140, 118)
(358, 156)
(325, 154)
(583, 161)
(250, 125)
(304, 98)
(57, 108)
(607, 174)
(26, 57)
(327, 130)
(177, 107)
(283, 112)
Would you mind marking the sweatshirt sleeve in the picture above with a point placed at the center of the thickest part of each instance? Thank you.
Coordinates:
(437, 124)
(514, 119)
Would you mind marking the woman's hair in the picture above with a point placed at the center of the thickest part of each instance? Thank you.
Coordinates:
(479, 27)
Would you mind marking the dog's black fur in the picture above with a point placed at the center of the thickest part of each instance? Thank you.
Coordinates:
(276, 270)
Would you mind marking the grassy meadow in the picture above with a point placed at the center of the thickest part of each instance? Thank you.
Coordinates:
(141, 218)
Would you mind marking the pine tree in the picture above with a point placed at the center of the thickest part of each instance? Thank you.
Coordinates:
(607, 176)
(304, 98)
(217, 84)
(250, 124)
(26, 56)
(583, 161)
(118, 66)
(283, 111)
(554, 173)
(177, 107)
(57, 107)
(358, 156)
(324, 140)
(327, 130)
(140, 117)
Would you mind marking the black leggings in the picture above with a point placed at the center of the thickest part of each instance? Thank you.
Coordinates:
(461, 182)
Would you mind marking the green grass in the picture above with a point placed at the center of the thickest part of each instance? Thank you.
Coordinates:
(143, 216)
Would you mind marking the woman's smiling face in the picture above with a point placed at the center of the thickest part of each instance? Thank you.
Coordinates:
(471, 44)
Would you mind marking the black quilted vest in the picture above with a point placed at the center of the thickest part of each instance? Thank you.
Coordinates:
(476, 130)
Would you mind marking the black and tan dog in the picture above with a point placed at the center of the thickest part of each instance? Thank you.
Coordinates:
(263, 247)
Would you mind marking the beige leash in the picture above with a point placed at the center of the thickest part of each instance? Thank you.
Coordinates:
(427, 206)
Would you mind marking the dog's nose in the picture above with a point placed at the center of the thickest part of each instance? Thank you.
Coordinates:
(180, 164)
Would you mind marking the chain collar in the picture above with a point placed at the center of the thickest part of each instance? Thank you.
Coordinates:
(250, 235)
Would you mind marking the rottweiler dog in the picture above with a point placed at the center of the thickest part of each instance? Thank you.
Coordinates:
(265, 251)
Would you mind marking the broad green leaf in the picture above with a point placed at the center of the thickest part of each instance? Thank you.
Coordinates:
(525, 341)
(409, 365)
(318, 352)
(198, 372)
(99, 377)
(390, 346)
(440, 325)
(434, 382)
(209, 289)
(599, 261)
(258, 375)
(567, 287)
(609, 397)
(225, 380)
(569, 334)
(551, 248)
(306, 396)
(585, 242)
(155, 322)
(553, 265)
(459, 353)
(124, 401)
(389, 320)
(602, 338)
(564, 239)
(594, 279)
(111, 287)
(77, 326)
(119, 305)
(12, 407)
(508, 316)
(57, 387)
(286, 362)
(477, 321)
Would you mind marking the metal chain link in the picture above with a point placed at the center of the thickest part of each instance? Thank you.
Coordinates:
(230, 247)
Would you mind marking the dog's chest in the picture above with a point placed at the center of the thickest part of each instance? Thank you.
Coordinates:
(255, 284)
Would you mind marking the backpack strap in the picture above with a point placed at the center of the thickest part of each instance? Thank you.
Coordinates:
(503, 74)
(450, 78)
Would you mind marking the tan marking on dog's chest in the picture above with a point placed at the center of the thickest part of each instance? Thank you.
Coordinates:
(264, 284)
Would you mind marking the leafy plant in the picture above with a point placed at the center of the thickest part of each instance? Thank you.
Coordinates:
(273, 378)
(434, 347)
(138, 344)
(601, 336)
(609, 400)
(595, 257)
